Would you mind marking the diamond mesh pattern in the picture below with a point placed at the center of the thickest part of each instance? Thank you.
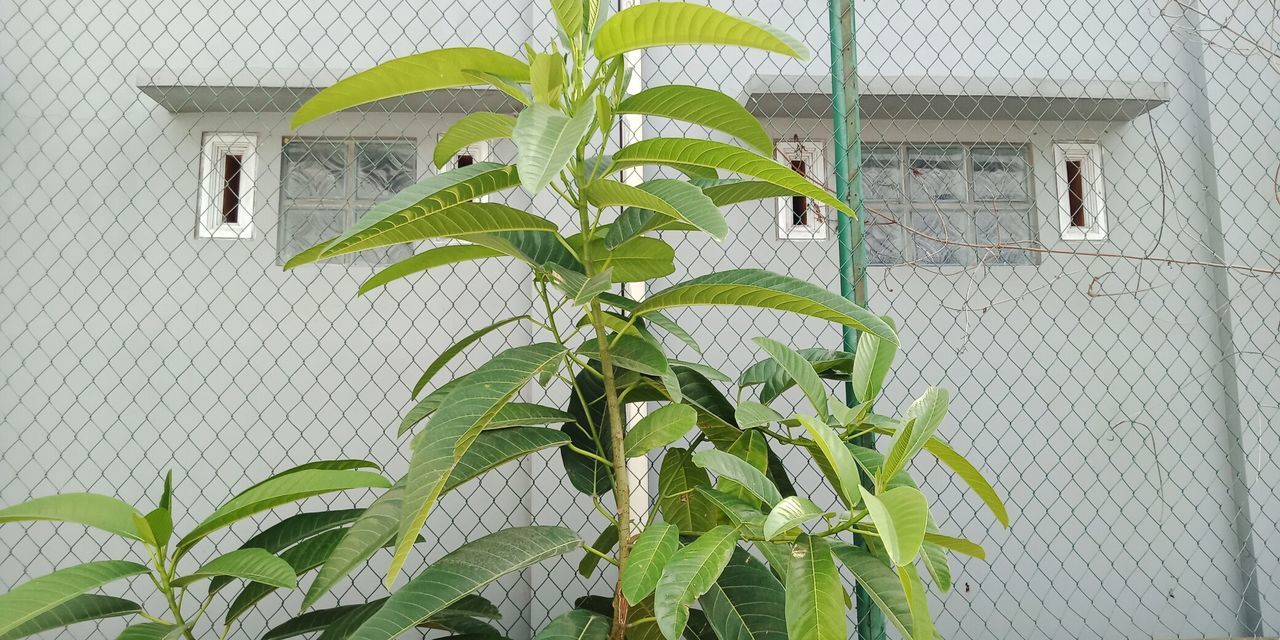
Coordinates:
(1120, 393)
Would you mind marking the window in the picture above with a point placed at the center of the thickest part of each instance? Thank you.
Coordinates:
(469, 155)
(1081, 211)
(948, 204)
(227, 169)
(800, 218)
(326, 184)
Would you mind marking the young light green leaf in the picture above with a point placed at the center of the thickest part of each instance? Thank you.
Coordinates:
(546, 139)
(294, 530)
(746, 603)
(971, 476)
(660, 24)
(759, 288)
(815, 595)
(429, 259)
(82, 608)
(958, 545)
(448, 354)
(605, 542)
(837, 458)
(751, 414)
(731, 191)
(878, 581)
(468, 130)
(578, 287)
(690, 573)
(460, 221)
(577, 624)
(871, 363)
(790, 513)
(569, 15)
(900, 515)
(462, 416)
(440, 69)
(504, 84)
(935, 562)
(673, 199)
(897, 457)
(160, 522)
(254, 565)
(546, 78)
(463, 571)
(649, 556)
(709, 154)
(918, 598)
(704, 107)
(34, 598)
(90, 509)
(801, 371)
(636, 260)
(928, 411)
(660, 428)
(738, 470)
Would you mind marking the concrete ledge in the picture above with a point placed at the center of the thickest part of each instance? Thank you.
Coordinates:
(950, 98)
(269, 90)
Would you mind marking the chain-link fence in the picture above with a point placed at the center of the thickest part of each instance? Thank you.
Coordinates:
(1072, 213)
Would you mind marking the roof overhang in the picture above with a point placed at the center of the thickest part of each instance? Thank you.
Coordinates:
(257, 91)
(959, 98)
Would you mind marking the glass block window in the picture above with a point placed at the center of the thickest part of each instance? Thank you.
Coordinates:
(949, 204)
(326, 184)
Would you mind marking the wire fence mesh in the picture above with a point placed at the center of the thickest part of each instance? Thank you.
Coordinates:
(1071, 210)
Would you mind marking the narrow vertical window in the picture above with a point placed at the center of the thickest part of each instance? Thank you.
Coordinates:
(231, 189)
(464, 160)
(1081, 205)
(225, 203)
(799, 217)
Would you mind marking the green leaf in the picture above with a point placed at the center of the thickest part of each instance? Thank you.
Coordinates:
(665, 323)
(709, 154)
(448, 354)
(630, 352)
(648, 557)
(90, 509)
(463, 571)
(160, 521)
(546, 139)
(468, 130)
(441, 69)
(678, 501)
(463, 414)
(152, 631)
(460, 221)
(546, 78)
(738, 470)
(279, 490)
(843, 470)
(752, 448)
(430, 403)
(750, 414)
(428, 259)
(928, 411)
(730, 191)
(971, 476)
(634, 222)
(605, 542)
(741, 513)
(959, 545)
(371, 531)
(588, 431)
(759, 288)
(801, 371)
(577, 624)
(815, 595)
(704, 107)
(82, 608)
(871, 364)
(37, 597)
(538, 249)
(669, 23)
(900, 515)
(827, 363)
(790, 513)
(569, 15)
(674, 199)
(918, 598)
(301, 558)
(660, 428)
(504, 84)
(309, 622)
(578, 287)
(746, 603)
(689, 574)
(254, 565)
(935, 562)
(880, 583)
(636, 260)
(294, 530)
(897, 458)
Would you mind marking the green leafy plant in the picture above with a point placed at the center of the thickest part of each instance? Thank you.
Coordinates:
(271, 560)
(732, 549)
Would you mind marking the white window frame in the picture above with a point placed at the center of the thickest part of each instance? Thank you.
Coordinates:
(215, 147)
(814, 155)
(479, 152)
(1089, 154)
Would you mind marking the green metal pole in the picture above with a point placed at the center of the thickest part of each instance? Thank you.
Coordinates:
(846, 117)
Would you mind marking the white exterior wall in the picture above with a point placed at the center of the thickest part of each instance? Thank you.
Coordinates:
(131, 347)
